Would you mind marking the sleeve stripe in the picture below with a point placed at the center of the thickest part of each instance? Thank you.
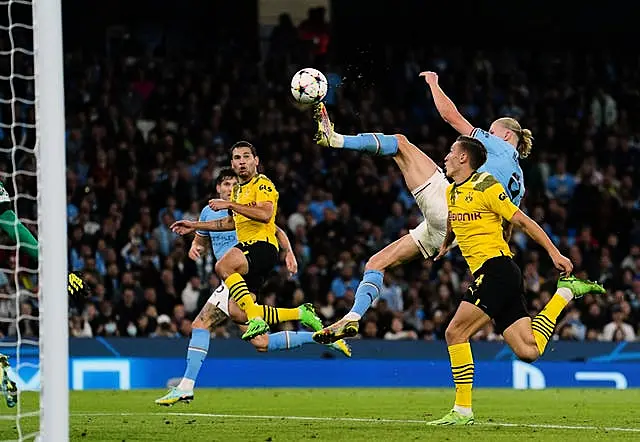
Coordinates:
(474, 132)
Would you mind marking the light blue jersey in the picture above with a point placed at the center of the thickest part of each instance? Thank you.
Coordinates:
(502, 163)
(221, 242)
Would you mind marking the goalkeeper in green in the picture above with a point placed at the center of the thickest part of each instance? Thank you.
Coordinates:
(20, 235)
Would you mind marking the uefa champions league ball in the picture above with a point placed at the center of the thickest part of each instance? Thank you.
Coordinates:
(309, 86)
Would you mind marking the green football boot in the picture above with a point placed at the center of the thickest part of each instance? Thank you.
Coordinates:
(453, 418)
(256, 327)
(580, 287)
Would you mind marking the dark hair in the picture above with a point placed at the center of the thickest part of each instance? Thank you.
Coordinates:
(475, 149)
(225, 174)
(239, 144)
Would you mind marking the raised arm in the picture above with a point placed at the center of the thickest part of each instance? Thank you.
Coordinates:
(447, 109)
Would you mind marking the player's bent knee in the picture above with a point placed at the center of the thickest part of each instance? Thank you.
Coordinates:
(527, 354)
(376, 262)
(455, 333)
(221, 268)
(401, 139)
(199, 323)
(261, 343)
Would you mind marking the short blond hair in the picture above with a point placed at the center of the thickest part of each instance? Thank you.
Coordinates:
(525, 137)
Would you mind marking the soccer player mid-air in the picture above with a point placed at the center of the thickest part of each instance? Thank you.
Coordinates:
(19, 234)
(477, 206)
(506, 141)
(219, 307)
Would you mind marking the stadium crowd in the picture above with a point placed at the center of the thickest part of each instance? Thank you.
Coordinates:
(146, 138)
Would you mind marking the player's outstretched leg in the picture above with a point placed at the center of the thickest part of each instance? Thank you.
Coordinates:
(416, 166)
(288, 340)
(398, 252)
(7, 386)
(217, 309)
(528, 338)
(306, 314)
(375, 143)
(569, 287)
(261, 316)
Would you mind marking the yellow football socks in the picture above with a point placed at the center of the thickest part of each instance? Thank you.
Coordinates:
(239, 292)
(462, 368)
(274, 315)
(544, 323)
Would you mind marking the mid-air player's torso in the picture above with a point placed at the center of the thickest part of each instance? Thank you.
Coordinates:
(502, 162)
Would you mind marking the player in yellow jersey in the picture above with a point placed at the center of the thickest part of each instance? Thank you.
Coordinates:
(244, 268)
(477, 205)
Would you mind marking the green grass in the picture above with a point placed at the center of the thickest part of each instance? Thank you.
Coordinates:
(387, 415)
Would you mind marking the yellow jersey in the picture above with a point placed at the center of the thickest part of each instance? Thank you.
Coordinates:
(476, 209)
(258, 189)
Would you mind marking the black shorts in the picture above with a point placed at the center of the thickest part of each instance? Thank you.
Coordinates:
(498, 290)
(262, 257)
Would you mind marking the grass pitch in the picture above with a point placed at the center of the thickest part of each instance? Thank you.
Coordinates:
(339, 415)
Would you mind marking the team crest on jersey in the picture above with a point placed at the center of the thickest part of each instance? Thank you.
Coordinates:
(469, 197)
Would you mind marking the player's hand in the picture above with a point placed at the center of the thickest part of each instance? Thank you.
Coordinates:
(218, 204)
(291, 262)
(183, 227)
(444, 249)
(430, 77)
(77, 288)
(195, 252)
(562, 263)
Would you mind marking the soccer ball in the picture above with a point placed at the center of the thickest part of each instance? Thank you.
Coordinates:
(309, 86)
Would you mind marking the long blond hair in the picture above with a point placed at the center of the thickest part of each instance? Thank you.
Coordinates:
(525, 137)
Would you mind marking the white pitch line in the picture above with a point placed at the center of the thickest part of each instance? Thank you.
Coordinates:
(356, 419)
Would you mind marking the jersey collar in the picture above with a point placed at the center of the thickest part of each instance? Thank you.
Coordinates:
(470, 176)
(255, 178)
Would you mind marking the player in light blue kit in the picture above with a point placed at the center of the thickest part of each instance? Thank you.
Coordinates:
(505, 142)
(219, 307)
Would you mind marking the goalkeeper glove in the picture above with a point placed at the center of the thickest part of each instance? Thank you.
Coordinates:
(76, 287)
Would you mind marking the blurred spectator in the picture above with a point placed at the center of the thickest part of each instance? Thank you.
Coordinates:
(344, 282)
(561, 184)
(165, 328)
(618, 329)
(397, 332)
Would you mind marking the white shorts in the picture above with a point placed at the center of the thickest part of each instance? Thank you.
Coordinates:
(431, 198)
(220, 298)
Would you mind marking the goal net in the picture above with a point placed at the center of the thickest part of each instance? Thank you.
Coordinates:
(33, 299)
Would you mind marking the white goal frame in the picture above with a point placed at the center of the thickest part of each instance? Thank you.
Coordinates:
(52, 220)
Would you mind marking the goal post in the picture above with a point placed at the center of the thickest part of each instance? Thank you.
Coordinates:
(52, 220)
